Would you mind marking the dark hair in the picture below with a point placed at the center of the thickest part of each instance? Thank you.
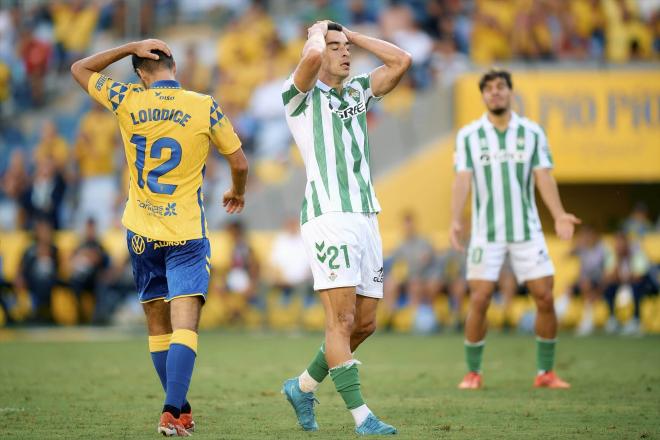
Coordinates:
(332, 26)
(495, 73)
(164, 61)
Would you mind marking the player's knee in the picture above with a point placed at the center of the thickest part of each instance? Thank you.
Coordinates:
(344, 322)
(365, 329)
(479, 302)
(545, 303)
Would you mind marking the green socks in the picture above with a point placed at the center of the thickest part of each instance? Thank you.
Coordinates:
(318, 368)
(545, 354)
(347, 383)
(473, 354)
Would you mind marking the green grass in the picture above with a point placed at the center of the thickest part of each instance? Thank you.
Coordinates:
(107, 389)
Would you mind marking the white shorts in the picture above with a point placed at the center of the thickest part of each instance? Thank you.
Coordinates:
(529, 259)
(344, 250)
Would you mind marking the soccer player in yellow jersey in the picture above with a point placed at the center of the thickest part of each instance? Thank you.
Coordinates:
(166, 132)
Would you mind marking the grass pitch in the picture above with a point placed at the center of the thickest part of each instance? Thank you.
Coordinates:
(107, 389)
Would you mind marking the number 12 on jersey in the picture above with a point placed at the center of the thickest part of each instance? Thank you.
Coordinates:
(157, 148)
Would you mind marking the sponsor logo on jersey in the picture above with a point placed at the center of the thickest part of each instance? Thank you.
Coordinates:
(168, 210)
(542, 257)
(162, 97)
(99, 82)
(353, 93)
(486, 158)
(351, 112)
(160, 244)
(137, 244)
(379, 275)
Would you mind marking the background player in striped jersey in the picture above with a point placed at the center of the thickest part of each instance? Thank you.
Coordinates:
(167, 133)
(327, 116)
(502, 155)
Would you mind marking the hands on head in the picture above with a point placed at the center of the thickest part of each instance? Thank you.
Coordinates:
(144, 48)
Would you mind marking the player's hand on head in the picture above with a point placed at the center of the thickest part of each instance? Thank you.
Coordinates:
(565, 225)
(144, 48)
(319, 26)
(233, 202)
(455, 235)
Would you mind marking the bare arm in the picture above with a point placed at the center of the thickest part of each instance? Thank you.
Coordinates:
(459, 194)
(308, 68)
(83, 69)
(234, 199)
(395, 61)
(564, 222)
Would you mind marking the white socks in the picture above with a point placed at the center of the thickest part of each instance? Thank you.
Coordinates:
(360, 414)
(307, 383)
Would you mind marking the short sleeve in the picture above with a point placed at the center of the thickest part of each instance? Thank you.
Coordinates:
(108, 92)
(295, 101)
(462, 155)
(542, 158)
(364, 81)
(221, 131)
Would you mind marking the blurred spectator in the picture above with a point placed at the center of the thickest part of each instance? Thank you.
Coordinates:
(194, 75)
(531, 36)
(88, 263)
(361, 12)
(638, 223)
(288, 259)
(15, 183)
(493, 23)
(94, 153)
(413, 261)
(450, 278)
(588, 22)
(5, 86)
(242, 278)
(627, 36)
(405, 32)
(35, 54)
(38, 271)
(52, 147)
(74, 22)
(628, 279)
(592, 253)
(114, 289)
(272, 139)
(45, 196)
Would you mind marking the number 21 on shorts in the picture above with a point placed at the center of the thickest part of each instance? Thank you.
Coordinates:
(330, 254)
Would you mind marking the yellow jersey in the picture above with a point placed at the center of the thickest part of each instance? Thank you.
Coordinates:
(166, 133)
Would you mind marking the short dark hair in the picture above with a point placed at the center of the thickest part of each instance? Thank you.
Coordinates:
(164, 61)
(495, 73)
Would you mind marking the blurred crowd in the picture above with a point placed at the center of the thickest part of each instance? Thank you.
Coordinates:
(424, 284)
(62, 164)
(66, 164)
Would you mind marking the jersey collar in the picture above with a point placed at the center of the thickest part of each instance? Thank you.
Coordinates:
(166, 84)
(512, 123)
(326, 88)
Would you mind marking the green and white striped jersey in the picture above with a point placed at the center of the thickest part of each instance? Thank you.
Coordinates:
(503, 205)
(330, 130)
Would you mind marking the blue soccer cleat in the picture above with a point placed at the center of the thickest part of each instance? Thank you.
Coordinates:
(373, 426)
(303, 404)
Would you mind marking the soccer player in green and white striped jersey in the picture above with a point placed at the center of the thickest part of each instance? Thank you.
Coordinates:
(326, 112)
(502, 156)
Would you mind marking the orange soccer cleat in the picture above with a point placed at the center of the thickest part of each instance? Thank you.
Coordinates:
(550, 380)
(170, 426)
(471, 381)
(187, 421)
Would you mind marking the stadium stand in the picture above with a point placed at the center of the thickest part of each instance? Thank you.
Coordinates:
(51, 140)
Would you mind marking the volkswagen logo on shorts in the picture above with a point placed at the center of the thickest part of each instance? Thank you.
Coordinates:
(137, 243)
